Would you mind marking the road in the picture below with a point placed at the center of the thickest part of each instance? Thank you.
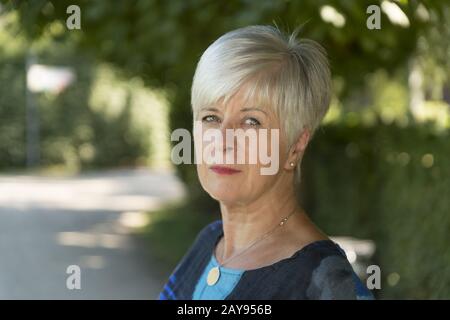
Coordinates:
(50, 223)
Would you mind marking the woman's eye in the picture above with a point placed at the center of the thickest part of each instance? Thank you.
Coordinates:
(252, 122)
(210, 118)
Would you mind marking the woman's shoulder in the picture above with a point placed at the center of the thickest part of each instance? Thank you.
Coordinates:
(330, 274)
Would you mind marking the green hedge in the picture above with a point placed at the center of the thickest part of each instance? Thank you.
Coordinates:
(391, 185)
(12, 112)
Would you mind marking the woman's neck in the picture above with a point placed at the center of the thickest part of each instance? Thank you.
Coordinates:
(245, 223)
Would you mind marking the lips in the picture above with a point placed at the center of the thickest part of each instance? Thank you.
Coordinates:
(224, 170)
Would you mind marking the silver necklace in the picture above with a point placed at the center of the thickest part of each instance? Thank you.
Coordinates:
(214, 272)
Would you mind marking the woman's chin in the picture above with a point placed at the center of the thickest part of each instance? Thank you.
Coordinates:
(226, 195)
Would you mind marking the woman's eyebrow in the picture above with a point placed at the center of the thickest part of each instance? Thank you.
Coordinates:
(209, 109)
(253, 109)
(242, 110)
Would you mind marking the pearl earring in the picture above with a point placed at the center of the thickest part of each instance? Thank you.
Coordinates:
(291, 164)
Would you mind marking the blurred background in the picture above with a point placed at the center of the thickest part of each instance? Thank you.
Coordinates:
(86, 115)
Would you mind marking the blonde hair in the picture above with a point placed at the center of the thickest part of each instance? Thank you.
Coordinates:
(278, 70)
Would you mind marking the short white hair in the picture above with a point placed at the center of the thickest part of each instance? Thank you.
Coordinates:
(278, 70)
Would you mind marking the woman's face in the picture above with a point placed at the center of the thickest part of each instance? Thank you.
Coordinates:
(263, 148)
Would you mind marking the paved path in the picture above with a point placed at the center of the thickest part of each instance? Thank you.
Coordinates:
(49, 223)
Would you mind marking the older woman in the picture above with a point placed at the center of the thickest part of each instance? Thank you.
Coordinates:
(265, 246)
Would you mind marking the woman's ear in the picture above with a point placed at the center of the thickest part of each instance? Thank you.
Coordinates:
(297, 150)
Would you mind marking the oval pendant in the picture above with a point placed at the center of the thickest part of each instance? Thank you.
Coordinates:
(213, 276)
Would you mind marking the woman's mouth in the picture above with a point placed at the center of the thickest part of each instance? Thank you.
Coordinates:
(224, 170)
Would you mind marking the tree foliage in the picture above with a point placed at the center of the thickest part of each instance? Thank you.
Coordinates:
(161, 41)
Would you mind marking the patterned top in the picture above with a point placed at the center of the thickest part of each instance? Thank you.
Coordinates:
(319, 270)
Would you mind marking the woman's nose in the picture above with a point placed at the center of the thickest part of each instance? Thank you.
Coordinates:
(227, 124)
(227, 129)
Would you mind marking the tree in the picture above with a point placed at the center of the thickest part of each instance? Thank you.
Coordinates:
(161, 41)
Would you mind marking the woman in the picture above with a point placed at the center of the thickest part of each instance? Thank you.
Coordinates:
(265, 246)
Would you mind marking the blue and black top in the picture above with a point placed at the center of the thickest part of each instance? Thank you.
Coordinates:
(319, 270)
